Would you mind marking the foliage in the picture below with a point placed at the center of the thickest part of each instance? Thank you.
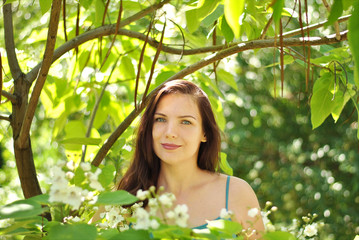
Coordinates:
(97, 86)
(74, 197)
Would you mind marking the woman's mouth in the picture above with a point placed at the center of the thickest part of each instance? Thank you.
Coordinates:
(170, 146)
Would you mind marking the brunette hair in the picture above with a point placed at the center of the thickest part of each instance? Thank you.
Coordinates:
(144, 170)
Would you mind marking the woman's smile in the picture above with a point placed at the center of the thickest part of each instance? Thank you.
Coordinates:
(170, 146)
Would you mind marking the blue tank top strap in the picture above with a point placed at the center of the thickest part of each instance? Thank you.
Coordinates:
(227, 191)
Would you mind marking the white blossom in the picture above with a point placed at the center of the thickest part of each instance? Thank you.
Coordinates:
(253, 212)
(181, 215)
(93, 178)
(71, 165)
(70, 175)
(142, 195)
(142, 219)
(74, 197)
(124, 227)
(58, 193)
(86, 166)
(113, 216)
(170, 215)
(311, 230)
(154, 224)
(224, 214)
(166, 200)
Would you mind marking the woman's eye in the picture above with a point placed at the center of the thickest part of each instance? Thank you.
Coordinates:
(186, 122)
(160, 119)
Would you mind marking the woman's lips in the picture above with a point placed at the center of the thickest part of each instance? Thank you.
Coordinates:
(169, 146)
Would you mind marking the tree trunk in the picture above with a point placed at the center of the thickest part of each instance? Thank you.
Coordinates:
(24, 158)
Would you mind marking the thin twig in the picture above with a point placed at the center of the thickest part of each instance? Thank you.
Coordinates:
(298, 31)
(0, 77)
(6, 118)
(140, 62)
(309, 48)
(266, 27)
(281, 55)
(77, 26)
(64, 18)
(154, 63)
(9, 96)
(46, 63)
(114, 37)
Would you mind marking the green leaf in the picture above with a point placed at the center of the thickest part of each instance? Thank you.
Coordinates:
(226, 29)
(82, 141)
(211, 18)
(74, 129)
(196, 15)
(278, 235)
(100, 11)
(353, 36)
(80, 231)
(277, 11)
(41, 199)
(233, 9)
(227, 78)
(45, 6)
(86, 3)
(120, 197)
(21, 209)
(224, 165)
(340, 101)
(227, 228)
(132, 234)
(127, 69)
(335, 12)
(9, 1)
(321, 103)
(107, 175)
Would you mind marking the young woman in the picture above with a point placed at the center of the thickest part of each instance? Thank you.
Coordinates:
(177, 147)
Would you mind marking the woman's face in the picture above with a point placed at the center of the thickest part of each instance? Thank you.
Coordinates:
(177, 130)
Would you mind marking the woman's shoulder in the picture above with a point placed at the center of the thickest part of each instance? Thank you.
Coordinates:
(240, 190)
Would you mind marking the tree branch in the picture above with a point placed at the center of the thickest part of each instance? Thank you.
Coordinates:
(46, 64)
(143, 13)
(5, 118)
(9, 42)
(200, 64)
(110, 29)
(313, 26)
(9, 96)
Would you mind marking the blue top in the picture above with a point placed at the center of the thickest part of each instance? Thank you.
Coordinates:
(204, 226)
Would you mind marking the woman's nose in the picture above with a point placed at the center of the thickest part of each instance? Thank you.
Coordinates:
(171, 131)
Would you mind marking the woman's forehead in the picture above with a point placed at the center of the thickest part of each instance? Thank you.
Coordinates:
(178, 103)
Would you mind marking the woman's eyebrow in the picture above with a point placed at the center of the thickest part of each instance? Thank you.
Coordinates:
(162, 114)
(182, 116)
(188, 116)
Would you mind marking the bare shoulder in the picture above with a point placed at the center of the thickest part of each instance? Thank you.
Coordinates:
(240, 190)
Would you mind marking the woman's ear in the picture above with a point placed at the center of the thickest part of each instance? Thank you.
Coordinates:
(204, 139)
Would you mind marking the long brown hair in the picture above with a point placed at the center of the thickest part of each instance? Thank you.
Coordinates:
(144, 170)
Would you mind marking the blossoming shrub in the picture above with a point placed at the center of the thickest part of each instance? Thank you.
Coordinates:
(78, 190)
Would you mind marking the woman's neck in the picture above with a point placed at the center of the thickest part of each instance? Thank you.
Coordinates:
(179, 179)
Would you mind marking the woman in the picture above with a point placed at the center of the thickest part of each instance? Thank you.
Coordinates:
(177, 147)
